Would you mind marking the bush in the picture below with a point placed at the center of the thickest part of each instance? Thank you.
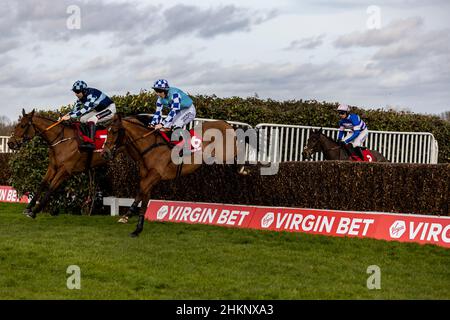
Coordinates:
(27, 167)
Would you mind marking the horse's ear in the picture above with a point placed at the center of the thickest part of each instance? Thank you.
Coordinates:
(23, 112)
(32, 113)
(320, 130)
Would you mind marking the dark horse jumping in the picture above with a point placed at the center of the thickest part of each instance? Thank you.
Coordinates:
(331, 150)
(65, 158)
(154, 156)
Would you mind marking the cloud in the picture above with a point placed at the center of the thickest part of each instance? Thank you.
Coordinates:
(350, 4)
(306, 43)
(127, 22)
(181, 20)
(392, 33)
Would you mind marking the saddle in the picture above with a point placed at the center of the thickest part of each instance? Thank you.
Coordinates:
(368, 157)
(100, 136)
(194, 145)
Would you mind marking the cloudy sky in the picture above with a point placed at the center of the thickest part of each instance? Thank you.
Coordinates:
(373, 54)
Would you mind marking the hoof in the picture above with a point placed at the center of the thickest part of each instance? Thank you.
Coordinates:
(31, 215)
(26, 211)
(134, 234)
(123, 220)
(243, 171)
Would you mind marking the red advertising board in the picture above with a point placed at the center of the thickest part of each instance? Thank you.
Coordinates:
(9, 194)
(385, 226)
(203, 213)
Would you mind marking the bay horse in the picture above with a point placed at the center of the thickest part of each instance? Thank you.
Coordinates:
(319, 142)
(153, 154)
(65, 158)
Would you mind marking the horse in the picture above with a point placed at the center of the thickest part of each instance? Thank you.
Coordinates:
(331, 150)
(65, 158)
(153, 153)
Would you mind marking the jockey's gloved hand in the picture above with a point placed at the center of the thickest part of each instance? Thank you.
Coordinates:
(342, 143)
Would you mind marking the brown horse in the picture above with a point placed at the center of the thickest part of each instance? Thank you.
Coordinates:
(154, 155)
(331, 150)
(65, 158)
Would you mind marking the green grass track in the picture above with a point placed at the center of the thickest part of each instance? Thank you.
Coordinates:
(181, 261)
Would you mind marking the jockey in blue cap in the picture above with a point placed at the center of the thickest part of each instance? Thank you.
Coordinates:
(358, 130)
(182, 109)
(92, 107)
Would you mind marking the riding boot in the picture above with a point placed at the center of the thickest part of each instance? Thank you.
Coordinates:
(359, 153)
(91, 135)
(172, 130)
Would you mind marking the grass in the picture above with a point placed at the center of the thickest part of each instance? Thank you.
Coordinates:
(180, 261)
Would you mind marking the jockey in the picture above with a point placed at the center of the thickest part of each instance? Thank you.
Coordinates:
(358, 130)
(92, 106)
(182, 109)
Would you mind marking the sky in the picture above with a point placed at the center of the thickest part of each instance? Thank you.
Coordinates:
(370, 54)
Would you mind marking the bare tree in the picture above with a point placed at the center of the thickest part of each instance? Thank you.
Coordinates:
(6, 126)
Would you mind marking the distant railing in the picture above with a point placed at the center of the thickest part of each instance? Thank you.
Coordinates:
(280, 143)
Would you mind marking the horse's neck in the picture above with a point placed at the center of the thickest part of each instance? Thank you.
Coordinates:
(42, 124)
(136, 138)
(329, 147)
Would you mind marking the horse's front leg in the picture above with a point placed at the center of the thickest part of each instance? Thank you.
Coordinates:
(146, 184)
(45, 184)
(60, 176)
(134, 209)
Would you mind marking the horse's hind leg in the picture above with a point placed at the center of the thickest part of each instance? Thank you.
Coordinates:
(146, 185)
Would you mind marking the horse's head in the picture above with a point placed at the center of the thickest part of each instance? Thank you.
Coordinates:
(115, 139)
(313, 144)
(23, 131)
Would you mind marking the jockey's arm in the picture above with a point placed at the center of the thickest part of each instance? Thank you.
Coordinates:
(341, 133)
(157, 115)
(353, 136)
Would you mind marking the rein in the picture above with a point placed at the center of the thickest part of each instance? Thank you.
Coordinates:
(148, 149)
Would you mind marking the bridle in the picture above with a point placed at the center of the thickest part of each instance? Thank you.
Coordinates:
(310, 150)
(118, 143)
(37, 132)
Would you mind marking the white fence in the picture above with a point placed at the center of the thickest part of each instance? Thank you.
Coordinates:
(280, 143)
(4, 144)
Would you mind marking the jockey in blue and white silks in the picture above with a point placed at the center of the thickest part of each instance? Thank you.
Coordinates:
(358, 129)
(92, 107)
(92, 104)
(182, 109)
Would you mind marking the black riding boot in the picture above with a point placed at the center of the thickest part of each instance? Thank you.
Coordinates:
(91, 135)
(359, 153)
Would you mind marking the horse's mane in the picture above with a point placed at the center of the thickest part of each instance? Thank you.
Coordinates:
(327, 137)
(136, 120)
(44, 117)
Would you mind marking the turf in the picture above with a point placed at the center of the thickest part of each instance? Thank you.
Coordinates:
(180, 261)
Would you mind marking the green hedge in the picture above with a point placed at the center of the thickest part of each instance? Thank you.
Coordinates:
(334, 185)
(27, 167)
(297, 112)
